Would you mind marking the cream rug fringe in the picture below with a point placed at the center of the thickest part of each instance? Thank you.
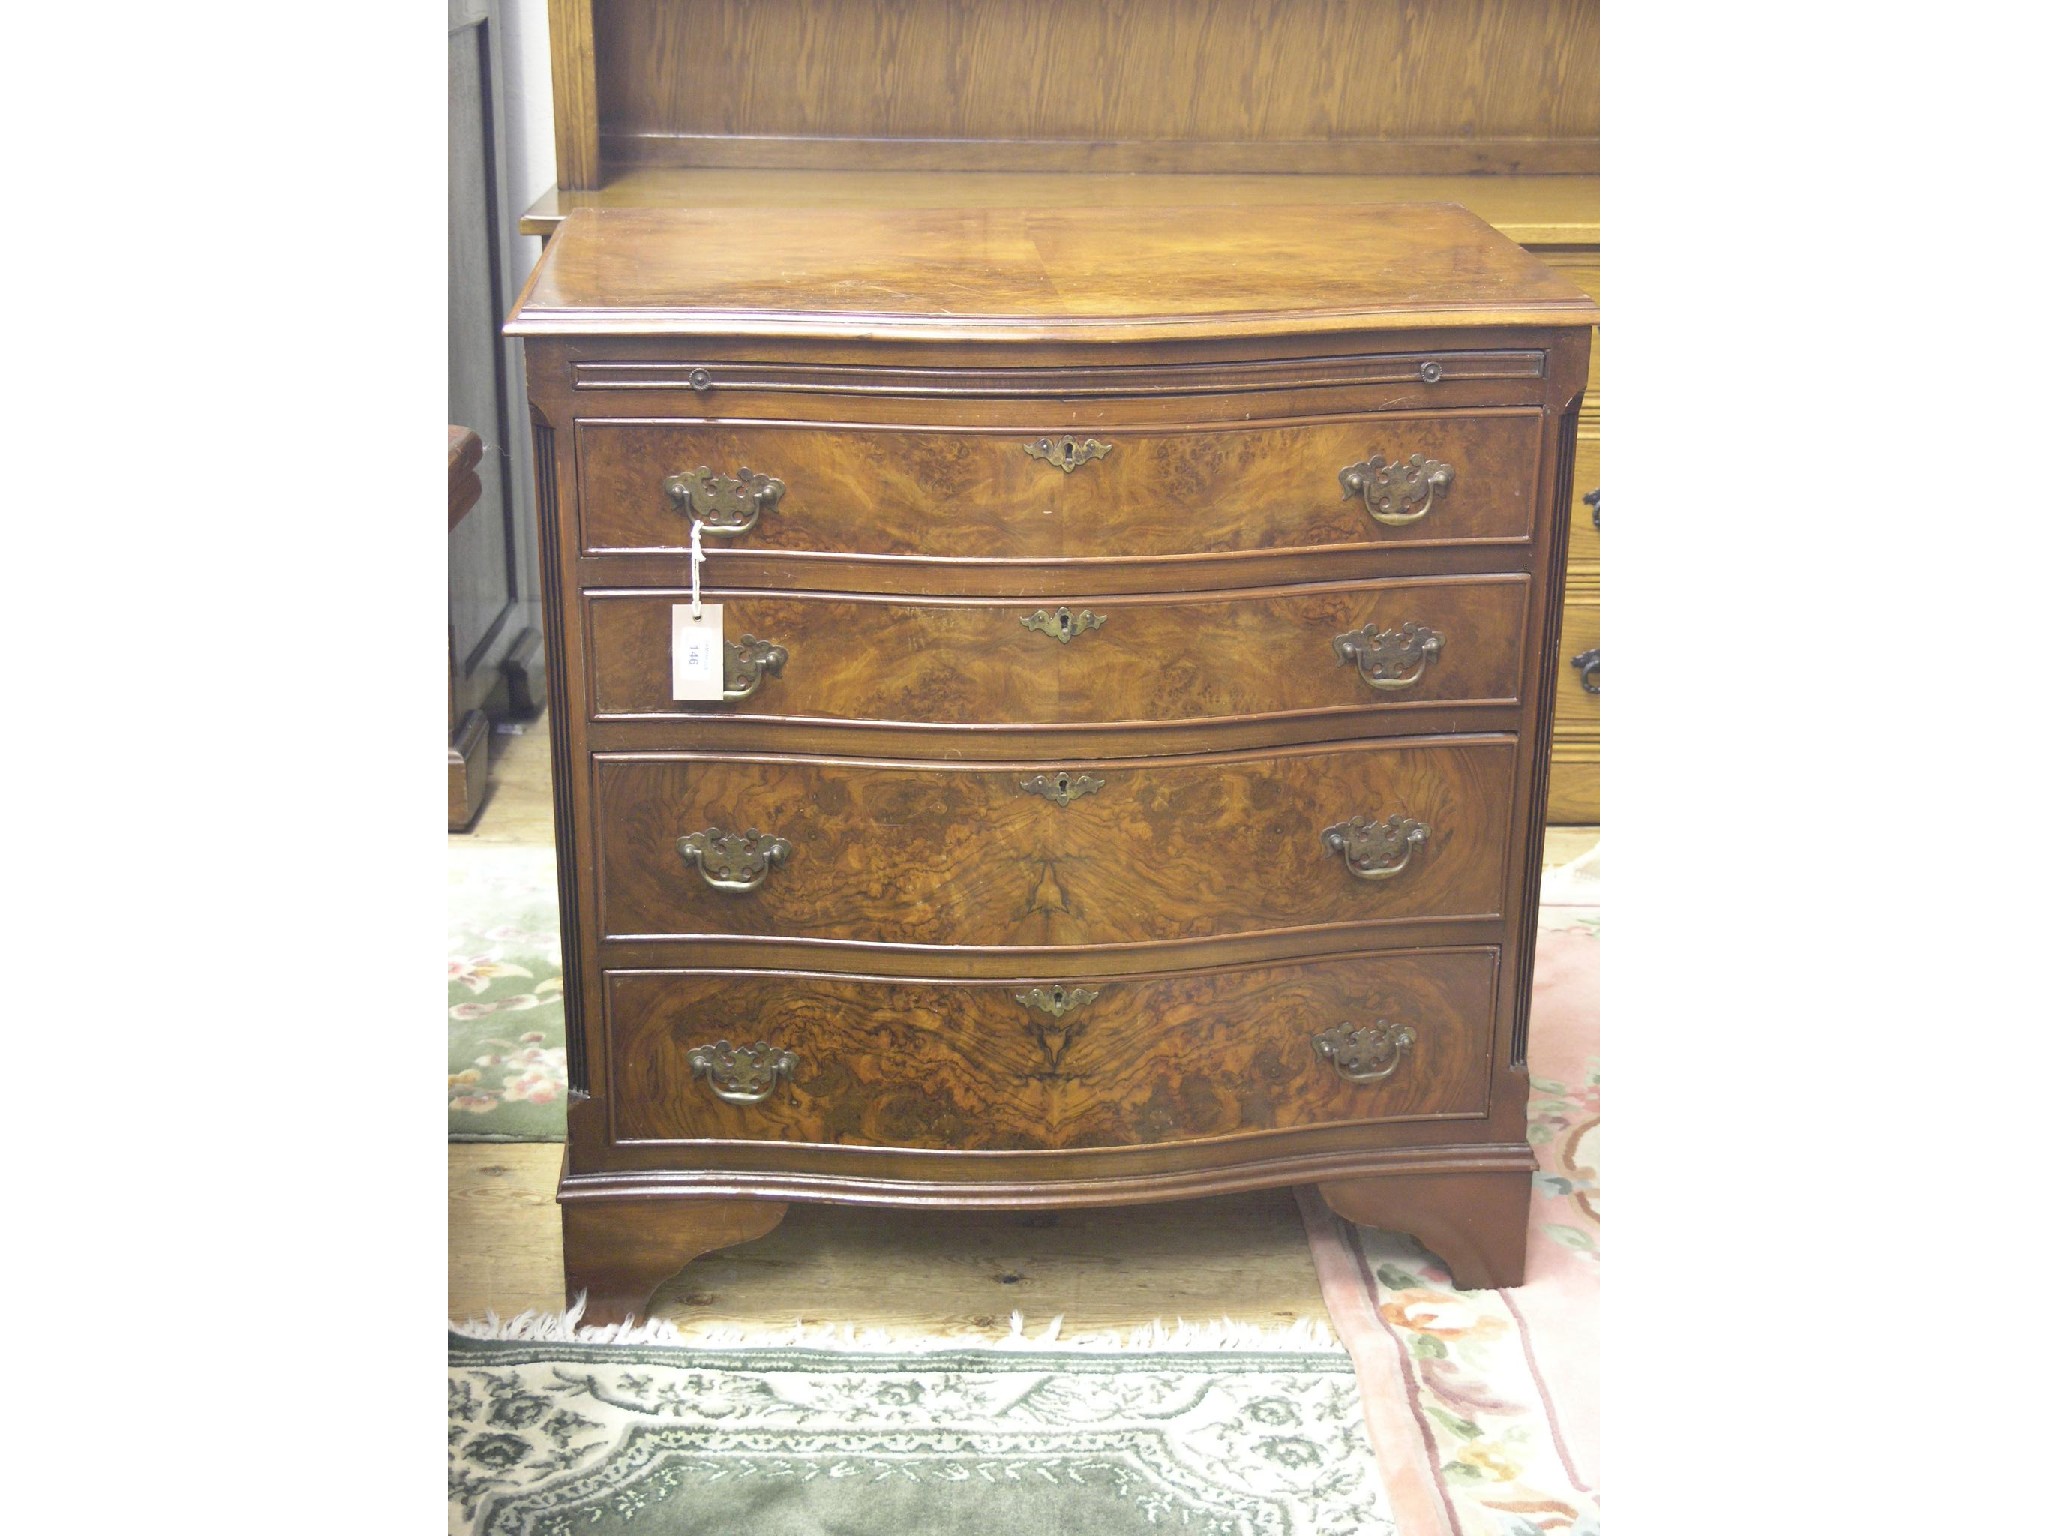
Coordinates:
(1306, 1335)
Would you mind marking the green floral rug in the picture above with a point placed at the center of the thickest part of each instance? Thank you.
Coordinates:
(550, 1439)
(507, 1061)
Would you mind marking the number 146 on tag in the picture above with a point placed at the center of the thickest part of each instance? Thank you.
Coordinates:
(698, 651)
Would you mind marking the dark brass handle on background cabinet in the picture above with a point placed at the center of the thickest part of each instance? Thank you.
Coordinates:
(1062, 623)
(1588, 664)
(1366, 1054)
(733, 861)
(726, 505)
(1065, 453)
(749, 663)
(1376, 850)
(742, 1074)
(1390, 491)
(1390, 659)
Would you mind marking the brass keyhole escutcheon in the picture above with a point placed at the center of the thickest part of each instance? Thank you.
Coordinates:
(1062, 623)
(1061, 788)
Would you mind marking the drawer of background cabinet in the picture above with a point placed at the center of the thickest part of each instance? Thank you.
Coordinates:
(966, 661)
(1585, 480)
(1021, 1065)
(980, 494)
(1576, 705)
(1121, 851)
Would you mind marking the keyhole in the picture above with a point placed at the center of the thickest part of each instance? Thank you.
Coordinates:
(1061, 783)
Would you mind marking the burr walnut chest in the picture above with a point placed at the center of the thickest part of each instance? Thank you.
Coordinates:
(1116, 766)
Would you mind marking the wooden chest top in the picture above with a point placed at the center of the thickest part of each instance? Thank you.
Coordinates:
(1091, 274)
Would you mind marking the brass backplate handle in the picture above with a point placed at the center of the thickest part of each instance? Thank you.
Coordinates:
(726, 505)
(1396, 493)
(733, 861)
(1366, 1054)
(1376, 850)
(1062, 623)
(749, 663)
(742, 1074)
(1390, 659)
(1065, 453)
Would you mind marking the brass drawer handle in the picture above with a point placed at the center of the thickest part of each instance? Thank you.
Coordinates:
(1065, 454)
(1588, 664)
(733, 861)
(1062, 788)
(727, 506)
(749, 663)
(1369, 848)
(1384, 656)
(1367, 1054)
(1389, 490)
(1062, 623)
(742, 1074)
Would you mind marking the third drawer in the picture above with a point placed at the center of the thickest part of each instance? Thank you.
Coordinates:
(1045, 854)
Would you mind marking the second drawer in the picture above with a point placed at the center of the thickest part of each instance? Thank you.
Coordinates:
(1339, 647)
(1023, 854)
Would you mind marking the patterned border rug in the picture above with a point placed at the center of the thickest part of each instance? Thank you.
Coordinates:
(1484, 1405)
(549, 1439)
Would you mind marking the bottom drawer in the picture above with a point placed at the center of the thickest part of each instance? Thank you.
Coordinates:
(1035, 1065)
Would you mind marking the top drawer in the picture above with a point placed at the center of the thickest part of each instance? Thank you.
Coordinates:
(985, 494)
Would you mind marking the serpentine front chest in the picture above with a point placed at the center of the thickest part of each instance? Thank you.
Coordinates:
(1052, 707)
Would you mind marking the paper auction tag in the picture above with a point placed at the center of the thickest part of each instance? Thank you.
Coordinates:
(697, 666)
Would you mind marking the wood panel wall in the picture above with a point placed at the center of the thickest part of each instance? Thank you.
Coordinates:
(1358, 86)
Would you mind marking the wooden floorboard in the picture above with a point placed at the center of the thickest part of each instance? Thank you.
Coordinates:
(1239, 1256)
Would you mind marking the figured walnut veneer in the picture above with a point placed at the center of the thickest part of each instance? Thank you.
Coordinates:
(1161, 659)
(1057, 737)
(967, 1066)
(955, 855)
(978, 495)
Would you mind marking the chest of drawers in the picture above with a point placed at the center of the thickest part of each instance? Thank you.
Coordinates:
(1140, 642)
